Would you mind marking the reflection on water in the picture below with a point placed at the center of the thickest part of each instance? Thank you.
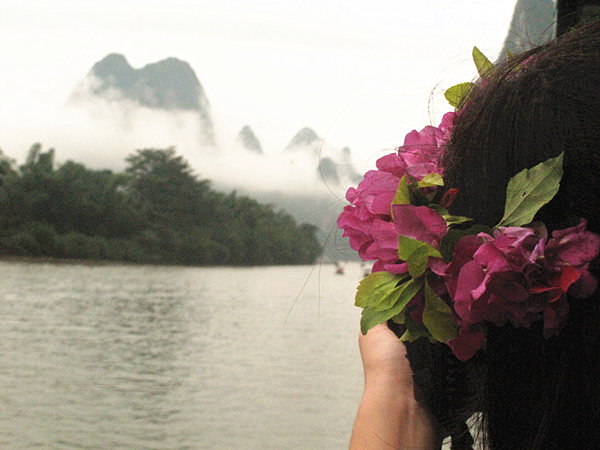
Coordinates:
(167, 357)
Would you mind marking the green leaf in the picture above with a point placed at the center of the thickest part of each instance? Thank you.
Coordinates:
(397, 294)
(413, 331)
(411, 288)
(402, 196)
(450, 219)
(418, 197)
(375, 287)
(432, 179)
(529, 190)
(400, 317)
(453, 236)
(387, 300)
(371, 316)
(437, 317)
(416, 254)
(483, 64)
(455, 220)
(456, 95)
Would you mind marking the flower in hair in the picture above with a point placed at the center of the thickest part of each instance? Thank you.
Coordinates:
(445, 278)
(368, 221)
(517, 275)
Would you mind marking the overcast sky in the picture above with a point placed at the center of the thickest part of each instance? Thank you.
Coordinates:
(359, 73)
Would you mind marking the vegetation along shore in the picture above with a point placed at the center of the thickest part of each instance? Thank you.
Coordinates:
(157, 211)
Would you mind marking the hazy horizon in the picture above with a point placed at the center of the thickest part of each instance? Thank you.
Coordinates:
(360, 76)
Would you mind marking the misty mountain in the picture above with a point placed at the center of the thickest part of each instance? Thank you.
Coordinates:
(319, 210)
(172, 87)
(248, 140)
(319, 164)
(169, 85)
(304, 138)
(532, 24)
(333, 166)
(328, 170)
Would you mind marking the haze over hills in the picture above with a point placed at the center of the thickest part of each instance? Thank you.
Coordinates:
(171, 86)
(296, 178)
(168, 85)
(166, 104)
(531, 25)
(248, 140)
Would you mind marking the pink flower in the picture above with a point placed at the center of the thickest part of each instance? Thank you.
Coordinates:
(516, 243)
(463, 253)
(374, 194)
(422, 150)
(421, 223)
(574, 246)
(384, 246)
(367, 221)
(518, 276)
(491, 286)
(550, 301)
(515, 275)
(392, 164)
(380, 266)
(447, 124)
(468, 342)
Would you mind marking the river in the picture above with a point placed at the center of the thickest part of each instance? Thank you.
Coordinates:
(117, 356)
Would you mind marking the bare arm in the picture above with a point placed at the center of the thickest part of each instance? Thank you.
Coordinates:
(389, 417)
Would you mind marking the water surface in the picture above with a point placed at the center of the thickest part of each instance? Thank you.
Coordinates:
(169, 357)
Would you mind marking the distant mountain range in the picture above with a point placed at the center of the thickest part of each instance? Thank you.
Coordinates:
(172, 87)
(532, 24)
(169, 85)
(248, 140)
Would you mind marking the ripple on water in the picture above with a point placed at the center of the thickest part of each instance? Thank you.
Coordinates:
(170, 357)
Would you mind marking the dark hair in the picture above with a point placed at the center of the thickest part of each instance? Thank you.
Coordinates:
(532, 392)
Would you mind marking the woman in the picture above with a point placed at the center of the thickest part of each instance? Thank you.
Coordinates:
(532, 392)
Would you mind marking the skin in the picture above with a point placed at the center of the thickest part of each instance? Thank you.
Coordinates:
(389, 417)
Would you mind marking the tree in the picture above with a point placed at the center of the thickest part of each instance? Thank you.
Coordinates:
(165, 187)
(158, 211)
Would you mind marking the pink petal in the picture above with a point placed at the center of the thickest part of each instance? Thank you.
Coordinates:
(438, 266)
(396, 268)
(575, 245)
(470, 277)
(447, 122)
(585, 286)
(392, 164)
(385, 241)
(467, 343)
(493, 258)
(420, 223)
(568, 276)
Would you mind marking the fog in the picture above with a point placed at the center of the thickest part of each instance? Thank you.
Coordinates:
(361, 76)
(102, 133)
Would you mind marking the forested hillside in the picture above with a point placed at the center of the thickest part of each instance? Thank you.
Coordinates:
(157, 211)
